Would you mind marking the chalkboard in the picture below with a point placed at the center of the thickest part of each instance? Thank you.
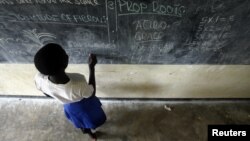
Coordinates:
(128, 31)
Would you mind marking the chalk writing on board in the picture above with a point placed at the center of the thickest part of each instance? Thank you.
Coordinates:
(6, 2)
(39, 38)
(214, 29)
(28, 37)
(167, 31)
(111, 5)
(83, 37)
(150, 25)
(153, 50)
(130, 8)
(212, 6)
(88, 20)
(149, 30)
(216, 19)
(217, 5)
(75, 2)
(26, 44)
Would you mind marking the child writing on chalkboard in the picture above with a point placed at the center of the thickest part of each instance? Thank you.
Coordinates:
(82, 108)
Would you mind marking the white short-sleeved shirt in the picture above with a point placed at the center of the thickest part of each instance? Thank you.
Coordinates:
(75, 90)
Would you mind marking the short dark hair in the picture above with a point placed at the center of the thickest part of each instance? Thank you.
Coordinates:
(51, 59)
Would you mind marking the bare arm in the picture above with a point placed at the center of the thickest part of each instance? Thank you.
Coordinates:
(92, 63)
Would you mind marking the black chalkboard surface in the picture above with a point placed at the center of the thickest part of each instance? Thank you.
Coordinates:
(128, 31)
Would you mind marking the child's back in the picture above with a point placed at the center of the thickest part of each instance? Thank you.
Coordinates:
(81, 106)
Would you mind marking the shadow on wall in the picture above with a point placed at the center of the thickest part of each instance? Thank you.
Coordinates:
(144, 88)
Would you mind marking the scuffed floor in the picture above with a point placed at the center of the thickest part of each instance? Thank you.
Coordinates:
(42, 119)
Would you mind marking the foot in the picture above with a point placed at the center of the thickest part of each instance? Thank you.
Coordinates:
(90, 133)
(92, 136)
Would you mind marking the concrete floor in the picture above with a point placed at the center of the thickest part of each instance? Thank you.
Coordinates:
(42, 119)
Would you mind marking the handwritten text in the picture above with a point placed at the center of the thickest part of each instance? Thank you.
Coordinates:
(130, 7)
(75, 2)
(62, 18)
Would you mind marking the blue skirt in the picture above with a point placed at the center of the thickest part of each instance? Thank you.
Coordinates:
(86, 113)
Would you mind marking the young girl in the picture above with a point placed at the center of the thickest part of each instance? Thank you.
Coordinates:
(82, 108)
